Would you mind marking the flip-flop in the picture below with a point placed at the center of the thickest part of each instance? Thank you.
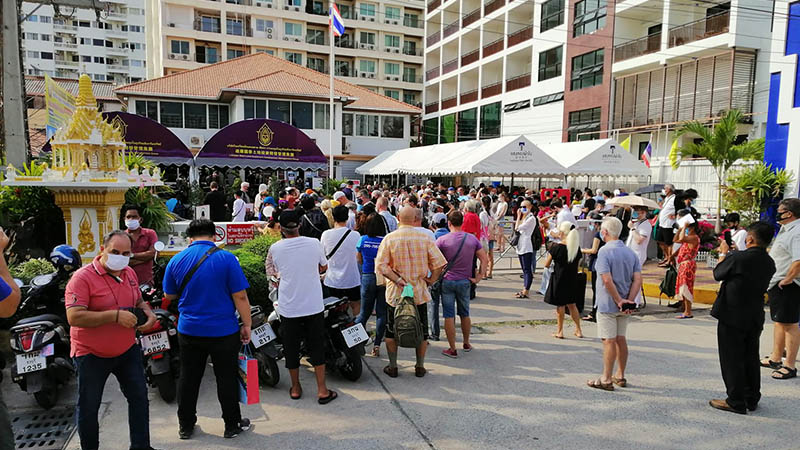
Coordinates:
(293, 397)
(557, 336)
(520, 295)
(684, 316)
(331, 397)
(597, 384)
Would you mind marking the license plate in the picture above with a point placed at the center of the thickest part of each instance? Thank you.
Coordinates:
(34, 361)
(262, 335)
(355, 335)
(155, 343)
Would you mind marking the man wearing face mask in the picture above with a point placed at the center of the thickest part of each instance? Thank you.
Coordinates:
(144, 239)
(103, 339)
(666, 221)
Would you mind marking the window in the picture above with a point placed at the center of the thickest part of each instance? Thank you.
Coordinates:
(490, 121)
(392, 68)
(545, 99)
(207, 55)
(430, 131)
(317, 64)
(45, 19)
(31, 54)
(255, 109)
(366, 125)
(171, 114)
(318, 8)
(99, 42)
(45, 37)
(292, 29)
(85, 58)
(32, 36)
(294, 57)
(264, 25)
(411, 20)
(293, 2)
(581, 122)
(181, 47)
(587, 70)
(392, 13)
(410, 98)
(409, 47)
(392, 126)
(410, 74)
(322, 116)
(218, 116)
(194, 115)
(234, 27)
(590, 16)
(316, 37)
(467, 125)
(83, 24)
(392, 41)
(268, 51)
(46, 55)
(550, 63)
(279, 110)
(366, 65)
(99, 60)
(147, 109)
(99, 77)
(345, 11)
(209, 24)
(135, 28)
(367, 38)
(235, 53)
(392, 93)
(32, 18)
(367, 9)
(302, 115)
(347, 124)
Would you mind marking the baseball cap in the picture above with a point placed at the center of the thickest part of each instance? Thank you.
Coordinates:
(289, 218)
(439, 219)
(338, 194)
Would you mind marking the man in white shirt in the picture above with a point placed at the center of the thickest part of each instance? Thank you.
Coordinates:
(666, 220)
(737, 232)
(298, 261)
(388, 219)
(343, 278)
(239, 207)
(641, 230)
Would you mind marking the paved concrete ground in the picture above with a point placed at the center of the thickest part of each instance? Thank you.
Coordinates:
(518, 389)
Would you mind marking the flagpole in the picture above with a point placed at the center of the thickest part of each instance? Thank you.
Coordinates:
(331, 70)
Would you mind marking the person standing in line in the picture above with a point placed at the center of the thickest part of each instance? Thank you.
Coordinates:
(243, 188)
(314, 222)
(784, 291)
(372, 295)
(472, 222)
(298, 261)
(342, 279)
(639, 236)
(739, 308)
(565, 257)
(737, 233)
(597, 244)
(383, 209)
(103, 339)
(621, 279)
(144, 240)
(666, 221)
(526, 225)
(239, 207)
(499, 215)
(687, 266)
(440, 223)
(9, 301)
(262, 194)
(460, 249)
(208, 301)
(488, 231)
(327, 208)
(218, 204)
(408, 256)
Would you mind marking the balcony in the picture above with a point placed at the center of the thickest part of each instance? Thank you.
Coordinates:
(434, 4)
(118, 34)
(347, 43)
(432, 73)
(449, 102)
(470, 57)
(493, 47)
(471, 17)
(492, 89)
(431, 107)
(117, 16)
(520, 36)
(450, 66)
(72, 46)
(412, 51)
(493, 6)
(118, 51)
(518, 82)
(65, 63)
(207, 27)
(638, 47)
(412, 22)
(451, 28)
(434, 38)
(699, 29)
(117, 68)
(469, 96)
(412, 79)
(59, 28)
(242, 32)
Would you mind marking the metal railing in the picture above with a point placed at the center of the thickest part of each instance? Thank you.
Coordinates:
(451, 28)
(699, 29)
(434, 4)
(638, 47)
(450, 102)
(431, 107)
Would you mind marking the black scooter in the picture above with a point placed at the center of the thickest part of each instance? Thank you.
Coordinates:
(265, 347)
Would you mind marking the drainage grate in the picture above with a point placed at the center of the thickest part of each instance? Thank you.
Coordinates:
(45, 430)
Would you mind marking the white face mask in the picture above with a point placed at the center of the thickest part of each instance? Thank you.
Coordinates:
(132, 224)
(117, 262)
(664, 192)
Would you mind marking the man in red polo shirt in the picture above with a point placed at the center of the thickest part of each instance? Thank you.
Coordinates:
(143, 244)
(103, 339)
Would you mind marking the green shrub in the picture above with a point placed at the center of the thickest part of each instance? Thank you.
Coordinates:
(32, 268)
(260, 245)
(253, 268)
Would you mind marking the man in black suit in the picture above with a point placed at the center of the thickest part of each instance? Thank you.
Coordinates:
(739, 307)
(217, 203)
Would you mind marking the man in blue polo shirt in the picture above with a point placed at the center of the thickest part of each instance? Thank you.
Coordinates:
(207, 301)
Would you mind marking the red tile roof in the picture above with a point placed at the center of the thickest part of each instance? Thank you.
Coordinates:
(263, 73)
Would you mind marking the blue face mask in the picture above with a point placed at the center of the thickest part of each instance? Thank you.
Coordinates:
(524, 210)
(635, 215)
(687, 232)
(591, 227)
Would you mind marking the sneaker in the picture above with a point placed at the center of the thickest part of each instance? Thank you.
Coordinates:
(435, 338)
(467, 347)
(450, 353)
(185, 432)
(244, 425)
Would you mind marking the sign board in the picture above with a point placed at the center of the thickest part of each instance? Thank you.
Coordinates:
(219, 234)
(202, 212)
(316, 183)
(239, 233)
(291, 175)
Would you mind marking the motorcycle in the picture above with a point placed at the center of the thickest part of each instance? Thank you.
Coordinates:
(265, 347)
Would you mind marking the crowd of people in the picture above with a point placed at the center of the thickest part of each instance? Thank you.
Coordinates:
(435, 244)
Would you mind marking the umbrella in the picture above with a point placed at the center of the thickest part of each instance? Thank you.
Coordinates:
(633, 200)
(651, 189)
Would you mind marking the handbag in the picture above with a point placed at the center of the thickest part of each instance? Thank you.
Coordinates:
(514, 241)
(667, 286)
(248, 377)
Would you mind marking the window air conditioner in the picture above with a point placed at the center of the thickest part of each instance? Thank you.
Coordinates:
(371, 47)
(269, 5)
(386, 21)
(172, 25)
(363, 75)
(286, 7)
(372, 75)
(296, 40)
(388, 77)
(396, 78)
(372, 19)
(197, 140)
(269, 36)
(363, 45)
(269, 30)
(388, 49)
(397, 50)
(285, 38)
(185, 57)
(258, 3)
(297, 8)
(363, 17)
(394, 22)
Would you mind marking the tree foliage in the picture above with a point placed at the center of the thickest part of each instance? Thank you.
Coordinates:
(749, 188)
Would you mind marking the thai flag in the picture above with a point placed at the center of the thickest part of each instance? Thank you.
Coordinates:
(648, 152)
(336, 22)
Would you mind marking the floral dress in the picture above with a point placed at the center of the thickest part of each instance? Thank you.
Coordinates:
(687, 266)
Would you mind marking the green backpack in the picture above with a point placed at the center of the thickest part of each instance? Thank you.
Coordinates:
(407, 324)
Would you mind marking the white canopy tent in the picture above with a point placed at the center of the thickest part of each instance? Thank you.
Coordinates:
(599, 157)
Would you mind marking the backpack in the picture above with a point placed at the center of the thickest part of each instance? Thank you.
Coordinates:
(668, 283)
(407, 325)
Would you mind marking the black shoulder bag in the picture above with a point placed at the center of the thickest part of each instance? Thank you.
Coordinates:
(325, 289)
(173, 307)
(436, 288)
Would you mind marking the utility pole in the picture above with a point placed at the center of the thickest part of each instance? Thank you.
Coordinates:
(15, 137)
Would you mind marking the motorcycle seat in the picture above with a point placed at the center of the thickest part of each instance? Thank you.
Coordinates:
(42, 317)
(330, 301)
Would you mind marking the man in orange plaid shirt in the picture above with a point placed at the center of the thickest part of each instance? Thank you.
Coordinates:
(408, 256)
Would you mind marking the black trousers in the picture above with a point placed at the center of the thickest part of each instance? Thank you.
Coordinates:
(739, 361)
(224, 353)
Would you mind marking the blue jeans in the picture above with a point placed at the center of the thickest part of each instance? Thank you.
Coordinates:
(93, 372)
(528, 263)
(455, 296)
(373, 296)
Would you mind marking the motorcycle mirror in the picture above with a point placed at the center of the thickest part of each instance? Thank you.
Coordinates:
(159, 246)
(18, 282)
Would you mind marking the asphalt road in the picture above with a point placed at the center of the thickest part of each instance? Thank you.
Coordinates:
(518, 389)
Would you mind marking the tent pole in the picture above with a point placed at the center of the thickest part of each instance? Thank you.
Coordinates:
(512, 181)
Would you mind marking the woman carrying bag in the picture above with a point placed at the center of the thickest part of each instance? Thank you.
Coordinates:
(525, 226)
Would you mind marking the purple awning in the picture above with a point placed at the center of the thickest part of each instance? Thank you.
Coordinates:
(262, 143)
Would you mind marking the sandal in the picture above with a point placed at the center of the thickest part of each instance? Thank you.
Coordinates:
(781, 375)
(520, 295)
(292, 396)
(557, 336)
(598, 384)
(578, 335)
(774, 365)
(327, 399)
(621, 382)
(684, 316)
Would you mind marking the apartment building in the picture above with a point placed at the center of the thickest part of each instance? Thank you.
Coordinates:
(66, 42)
(382, 49)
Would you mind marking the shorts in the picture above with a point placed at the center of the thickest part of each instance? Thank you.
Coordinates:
(784, 303)
(666, 235)
(491, 245)
(422, 311)
(611, 325)
(455, 295)
(352, 294)
(308, 329)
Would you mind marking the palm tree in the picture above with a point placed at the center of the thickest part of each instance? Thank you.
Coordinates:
(717, 146)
